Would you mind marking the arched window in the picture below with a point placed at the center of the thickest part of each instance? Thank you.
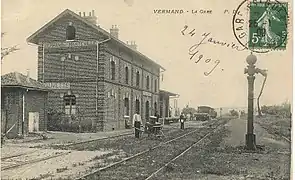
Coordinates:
(147, 82)
(126, 75)
(126, 106)
(137, 106)
(71, 32)
(137, 78)
(156, 85)
(113, 70)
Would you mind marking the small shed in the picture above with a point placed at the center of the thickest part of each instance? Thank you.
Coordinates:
(23, 105)
(164, 102)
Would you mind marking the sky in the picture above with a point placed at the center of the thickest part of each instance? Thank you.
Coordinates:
(159, 37)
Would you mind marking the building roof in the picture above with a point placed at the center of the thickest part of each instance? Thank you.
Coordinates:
(16, 79)
(204, 106)
(33, 38)
(168, 93)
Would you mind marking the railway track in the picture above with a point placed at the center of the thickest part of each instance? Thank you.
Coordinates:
(93, 140)
(272, 131)
(150, 162)
(19, 164)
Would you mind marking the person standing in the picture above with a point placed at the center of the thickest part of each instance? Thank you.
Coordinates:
(137, 123)
(181, 119)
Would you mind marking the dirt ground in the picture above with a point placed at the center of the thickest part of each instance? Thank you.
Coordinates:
(225, 158)
(64, 163)
(222, 157)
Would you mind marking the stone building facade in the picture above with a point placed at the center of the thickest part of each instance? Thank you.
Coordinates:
(95, 77)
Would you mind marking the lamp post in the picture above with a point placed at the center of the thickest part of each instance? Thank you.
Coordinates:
(250, 70)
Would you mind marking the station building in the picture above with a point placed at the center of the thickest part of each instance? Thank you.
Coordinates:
(93, 74)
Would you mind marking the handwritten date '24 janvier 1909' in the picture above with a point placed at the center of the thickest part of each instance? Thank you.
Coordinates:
(193, 50)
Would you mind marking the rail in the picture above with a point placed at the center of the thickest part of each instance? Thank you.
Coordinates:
(93, 174)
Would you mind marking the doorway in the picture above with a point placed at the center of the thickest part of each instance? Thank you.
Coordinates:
(147, 111)
(137, 106)
(33, 121)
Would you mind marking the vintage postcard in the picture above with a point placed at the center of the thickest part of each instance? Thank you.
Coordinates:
(155, 89)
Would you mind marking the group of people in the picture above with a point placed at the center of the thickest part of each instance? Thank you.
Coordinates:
(136, 122)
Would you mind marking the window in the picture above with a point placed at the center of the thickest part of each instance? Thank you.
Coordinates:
(156, 85)
(155, 106)
(126, 106)
(137, 78)
(147, 82)
(70, 32)
(70, 104)
(113, 70)
(137, 106)
(126, 75)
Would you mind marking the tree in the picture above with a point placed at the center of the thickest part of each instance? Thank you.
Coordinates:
(7, 50)
(188, 110)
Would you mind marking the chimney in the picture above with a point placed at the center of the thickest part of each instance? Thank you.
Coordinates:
(132, 45)
(114, 31)
(91, 17)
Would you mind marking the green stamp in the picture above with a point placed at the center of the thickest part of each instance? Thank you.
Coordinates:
(268, 25)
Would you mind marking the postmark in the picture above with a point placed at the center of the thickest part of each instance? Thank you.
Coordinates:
(261, 26)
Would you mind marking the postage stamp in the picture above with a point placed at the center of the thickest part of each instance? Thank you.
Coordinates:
(268, 25)
(261, 26)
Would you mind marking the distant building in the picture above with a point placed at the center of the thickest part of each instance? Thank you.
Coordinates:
(93, 73)
(165, 110)
(23, 105)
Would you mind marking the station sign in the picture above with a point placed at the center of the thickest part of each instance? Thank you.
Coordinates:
(58, 85)
(69, 44)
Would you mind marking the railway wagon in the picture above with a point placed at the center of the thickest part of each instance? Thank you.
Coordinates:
(207, 109)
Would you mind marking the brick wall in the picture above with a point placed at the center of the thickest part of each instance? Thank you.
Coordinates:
(36, 101)
(12, 110)
(77, 65)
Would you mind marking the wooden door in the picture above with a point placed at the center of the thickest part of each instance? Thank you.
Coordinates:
(33, 121)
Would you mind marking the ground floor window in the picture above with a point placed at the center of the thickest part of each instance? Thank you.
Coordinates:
(126, 106)
(70, 104)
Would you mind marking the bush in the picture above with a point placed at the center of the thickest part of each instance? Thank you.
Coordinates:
(283, 110)
(234, 113)
(57, 121)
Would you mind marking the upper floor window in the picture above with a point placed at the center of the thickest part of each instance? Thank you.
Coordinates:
(71, 32)
(113, 70)
(156, 85)
(137, 78)
(147, 82)
(126, 75)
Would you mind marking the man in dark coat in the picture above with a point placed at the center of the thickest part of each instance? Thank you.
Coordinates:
(181, 120)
